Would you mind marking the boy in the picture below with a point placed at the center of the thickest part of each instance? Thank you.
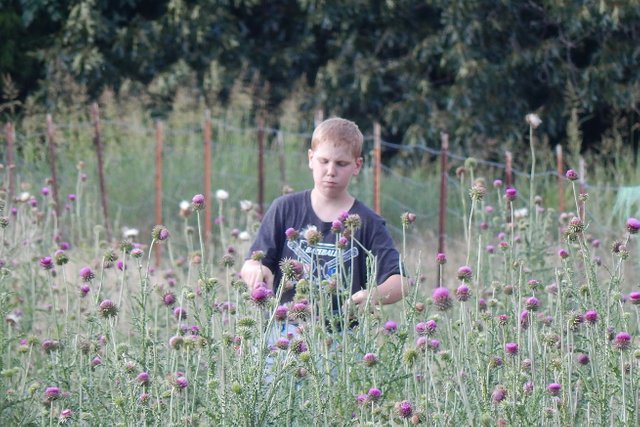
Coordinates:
(334, 158)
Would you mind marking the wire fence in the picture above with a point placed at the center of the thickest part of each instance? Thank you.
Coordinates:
(237, 159)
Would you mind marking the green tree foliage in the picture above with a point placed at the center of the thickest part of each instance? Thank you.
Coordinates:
(471, 67)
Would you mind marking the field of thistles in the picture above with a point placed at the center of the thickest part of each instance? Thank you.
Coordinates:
(532, 321)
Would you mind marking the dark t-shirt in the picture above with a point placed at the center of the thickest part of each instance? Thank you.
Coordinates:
(295, 211)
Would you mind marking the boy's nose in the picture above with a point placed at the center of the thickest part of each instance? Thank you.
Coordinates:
(331, 169)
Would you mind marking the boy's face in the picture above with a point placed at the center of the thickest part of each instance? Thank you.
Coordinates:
(332, 167)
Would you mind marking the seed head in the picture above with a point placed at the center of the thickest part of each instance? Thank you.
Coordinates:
(533, 120)
(353, 222)
(222, 195)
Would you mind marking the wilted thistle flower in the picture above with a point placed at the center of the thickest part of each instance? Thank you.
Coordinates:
(532, 304)
(108, 308)
(571, 175)
(370, 359)
(477, 191)
(179, 313)
(633, 225)
(185, 209)
(502, 319)
(524, 319)
(227, 261)
(533, 120)
(86, 274)
(462, 293)
(159, 233)
(403, 409)
(222, 195)
(257, 255)
(554, 389)
(408, 218)
(499, 394)
(176, 342)
(50, 345)
(4, 222)
(441, 298)
(291, 269)
(246, 205)
(576, 225)
(510, 194)
(261, 294)
(353, 222)
(511, 348)
(108, 258)
(622, 341)
(465, 273)
(197, 202)
(46, 263)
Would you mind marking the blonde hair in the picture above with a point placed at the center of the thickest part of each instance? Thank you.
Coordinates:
(339, 132)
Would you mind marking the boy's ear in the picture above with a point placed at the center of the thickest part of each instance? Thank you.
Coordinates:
(310, 156)
(359, 162)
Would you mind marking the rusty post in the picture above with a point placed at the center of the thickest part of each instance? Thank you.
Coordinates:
(10, 133)
(282, 159)
(442, 214)
(560, 170)
(581, 173)
(508, 173)
(158, 182)
(208, 150)
(97, 142)
(52, 162)
(260, 164)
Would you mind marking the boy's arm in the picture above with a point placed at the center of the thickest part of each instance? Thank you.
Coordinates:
(388, 292)
(254, 272)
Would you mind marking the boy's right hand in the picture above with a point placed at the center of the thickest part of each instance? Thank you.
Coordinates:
(254, 273)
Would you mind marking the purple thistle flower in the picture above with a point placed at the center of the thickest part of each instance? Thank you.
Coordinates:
(281, 313)
(563, 253)
(361, 399)
(182, 382)
(51, 393)
(582, 359)
(179, 313)
(108, 308)
(490, 249)
(497, 183)
(591, 316)
(441, 258)
(45, 191)
(462, 293)
(434, 344)
(524, 319)
(86, 274)
(197, 202)
(554, 389)
(282, 343)
(391, 326)
(96, 361)
(622, 341)
(143, 378)
(374, 394)
(499, 394)
(634, 297)
(72, 197)
(169, 299)
(465, 273)
(65, 414)
(571, 175)
(441, 298)
(46, 263)
(426, 328)
(343, 242)
(291, 233)
(404, 409)
(633, 225)
(511, 348)
(337, 226)
(528, 388)
(261, 295)
(370, 359)
(408, 218)
(532, 304)
(511, 194)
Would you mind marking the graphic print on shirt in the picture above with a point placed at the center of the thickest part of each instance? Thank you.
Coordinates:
(323, 256)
